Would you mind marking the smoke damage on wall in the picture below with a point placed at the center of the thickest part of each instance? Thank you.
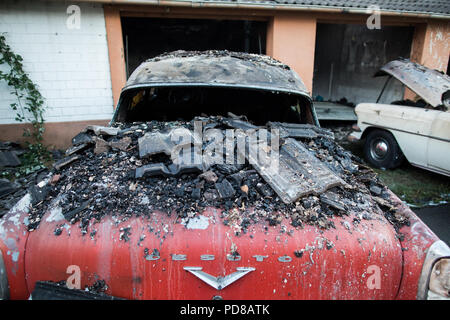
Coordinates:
(347, 57)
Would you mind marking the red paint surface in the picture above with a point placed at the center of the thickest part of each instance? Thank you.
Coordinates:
(341, 272)
(337, 273)
(417, 239)
(13, 239)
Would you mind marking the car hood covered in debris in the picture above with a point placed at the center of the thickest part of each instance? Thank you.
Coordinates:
(430, 84)
(120, 211)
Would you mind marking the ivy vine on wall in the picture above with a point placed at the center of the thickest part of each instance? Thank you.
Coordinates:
(29, 107)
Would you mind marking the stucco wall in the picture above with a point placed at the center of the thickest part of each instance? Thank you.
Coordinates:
(431, 47)
(291, 39)
(70, 66)
(436, 47)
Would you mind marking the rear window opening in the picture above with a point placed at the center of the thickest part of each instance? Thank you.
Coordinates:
(185, 103)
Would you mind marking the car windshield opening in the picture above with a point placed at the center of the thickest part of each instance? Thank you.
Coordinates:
(185, 103)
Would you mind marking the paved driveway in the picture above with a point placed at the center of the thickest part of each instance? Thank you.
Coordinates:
(438, 219)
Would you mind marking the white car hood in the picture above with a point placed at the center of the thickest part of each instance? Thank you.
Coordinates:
(427, 83)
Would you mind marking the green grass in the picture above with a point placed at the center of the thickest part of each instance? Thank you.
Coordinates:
(415, 186)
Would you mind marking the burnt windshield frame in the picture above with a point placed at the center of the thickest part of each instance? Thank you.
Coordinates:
(307, 111)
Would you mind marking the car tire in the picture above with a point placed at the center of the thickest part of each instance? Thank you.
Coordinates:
(381, 150)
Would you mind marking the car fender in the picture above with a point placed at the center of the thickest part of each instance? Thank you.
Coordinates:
(417, 238)
(410, 126)
(13, 239)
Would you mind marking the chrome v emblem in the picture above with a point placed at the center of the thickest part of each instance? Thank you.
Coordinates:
(219, 282)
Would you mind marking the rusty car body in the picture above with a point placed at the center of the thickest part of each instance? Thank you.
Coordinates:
(361, 255)
(393, 132)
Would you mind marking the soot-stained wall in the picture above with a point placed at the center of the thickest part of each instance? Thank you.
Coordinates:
(347, 57)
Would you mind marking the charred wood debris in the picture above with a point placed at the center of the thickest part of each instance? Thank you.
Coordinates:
(106, 173)
(49, 290)
(12, 190)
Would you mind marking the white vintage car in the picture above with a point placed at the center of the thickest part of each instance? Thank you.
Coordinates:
(419, 133)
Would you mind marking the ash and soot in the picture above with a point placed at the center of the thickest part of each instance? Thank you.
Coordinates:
(126, 170)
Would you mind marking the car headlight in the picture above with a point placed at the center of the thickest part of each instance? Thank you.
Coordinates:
(434, 281)
(4, 288)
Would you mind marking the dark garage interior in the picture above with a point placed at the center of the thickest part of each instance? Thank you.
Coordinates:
(347, 57)
(145, 38)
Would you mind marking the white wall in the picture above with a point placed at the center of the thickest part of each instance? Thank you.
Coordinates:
(70, 66)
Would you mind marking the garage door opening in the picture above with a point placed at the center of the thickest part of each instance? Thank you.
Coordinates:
(145, 38)
(347, 57)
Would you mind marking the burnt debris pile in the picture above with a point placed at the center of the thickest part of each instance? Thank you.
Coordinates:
(129, 170)
(17, 177)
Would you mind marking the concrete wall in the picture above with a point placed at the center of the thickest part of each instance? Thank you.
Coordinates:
(70, 66)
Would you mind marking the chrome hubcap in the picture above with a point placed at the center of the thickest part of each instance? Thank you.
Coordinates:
(379, 149)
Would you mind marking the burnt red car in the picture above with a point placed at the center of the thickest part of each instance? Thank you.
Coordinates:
(313, 247)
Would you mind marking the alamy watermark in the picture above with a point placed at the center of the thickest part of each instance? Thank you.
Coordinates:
(74, 280)
(74, 17)
(374, 280)
(374, 20)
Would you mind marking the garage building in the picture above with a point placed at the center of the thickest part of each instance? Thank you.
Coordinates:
(81, 53)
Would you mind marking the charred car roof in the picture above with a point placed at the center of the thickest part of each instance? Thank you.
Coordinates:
(430, 84)
(216, 68)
